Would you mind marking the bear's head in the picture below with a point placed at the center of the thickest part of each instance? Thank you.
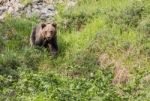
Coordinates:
(49, 30)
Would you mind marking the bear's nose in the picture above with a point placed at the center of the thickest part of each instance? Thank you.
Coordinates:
(49, 37)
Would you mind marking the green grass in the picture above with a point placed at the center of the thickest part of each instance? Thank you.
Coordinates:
(94, 38)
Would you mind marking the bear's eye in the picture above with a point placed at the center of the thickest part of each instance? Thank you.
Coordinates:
(51, 31)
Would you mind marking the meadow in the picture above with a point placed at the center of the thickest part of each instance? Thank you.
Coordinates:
(104, 55)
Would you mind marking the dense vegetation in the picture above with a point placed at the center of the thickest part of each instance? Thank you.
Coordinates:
(104, 55)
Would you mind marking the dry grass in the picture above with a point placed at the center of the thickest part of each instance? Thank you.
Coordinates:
(121, 75)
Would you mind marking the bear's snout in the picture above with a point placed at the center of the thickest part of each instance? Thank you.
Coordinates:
(49, 37)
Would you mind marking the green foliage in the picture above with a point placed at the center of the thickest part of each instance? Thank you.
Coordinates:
(127, 16)
(26, 1)
(144, 25)
(75, 18)
(94, 38)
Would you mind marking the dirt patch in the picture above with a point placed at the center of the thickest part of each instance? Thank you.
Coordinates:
(121, 75)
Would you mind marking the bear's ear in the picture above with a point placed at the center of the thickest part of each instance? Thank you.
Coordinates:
(54, 24)
(43, 25)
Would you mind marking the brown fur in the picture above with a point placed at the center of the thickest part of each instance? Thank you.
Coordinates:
(45, 35)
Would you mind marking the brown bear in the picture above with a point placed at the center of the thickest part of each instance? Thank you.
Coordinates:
(44, 35)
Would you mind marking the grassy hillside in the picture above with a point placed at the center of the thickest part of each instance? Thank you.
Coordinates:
(104, 55)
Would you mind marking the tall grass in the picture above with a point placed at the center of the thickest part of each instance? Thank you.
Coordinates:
(94, 39)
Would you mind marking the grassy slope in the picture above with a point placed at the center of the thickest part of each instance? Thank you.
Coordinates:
(114, 33)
